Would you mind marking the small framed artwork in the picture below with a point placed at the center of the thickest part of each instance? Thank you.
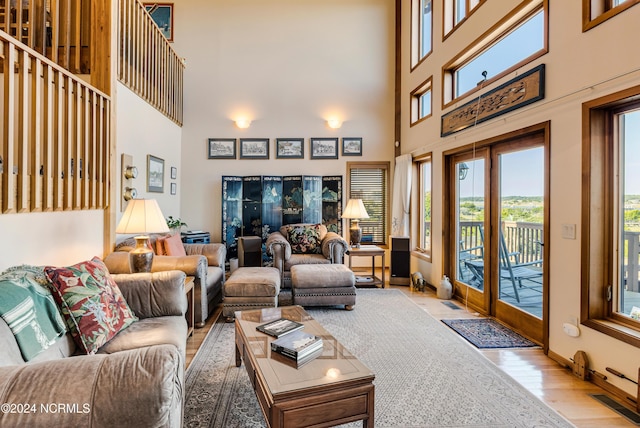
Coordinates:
(174, 172)
(155, 174)
(290, 148)
(174, 188)
(162, 15)
(352, 147)
(222, 148)
(254, 148)
(324, 148)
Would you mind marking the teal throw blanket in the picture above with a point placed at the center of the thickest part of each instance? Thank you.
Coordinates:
(28, 308)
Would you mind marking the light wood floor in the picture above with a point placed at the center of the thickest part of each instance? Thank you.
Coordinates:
(542, 376)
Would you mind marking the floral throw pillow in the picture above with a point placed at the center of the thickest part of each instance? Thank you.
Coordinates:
(305, 239)
(91, 303)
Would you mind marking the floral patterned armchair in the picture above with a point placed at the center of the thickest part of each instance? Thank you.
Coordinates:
(304, 244)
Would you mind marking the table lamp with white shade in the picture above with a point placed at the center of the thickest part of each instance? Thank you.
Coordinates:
(355, 211)
(142, 216)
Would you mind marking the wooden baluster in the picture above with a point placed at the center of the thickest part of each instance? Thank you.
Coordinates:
(48, 123)
(55, 30)
(22, 163)
(35, 145)
(8, 178)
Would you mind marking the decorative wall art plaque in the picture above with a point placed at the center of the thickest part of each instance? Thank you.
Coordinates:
(519, 92)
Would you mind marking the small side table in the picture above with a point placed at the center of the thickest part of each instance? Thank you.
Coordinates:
(369, 251)
(188, 289)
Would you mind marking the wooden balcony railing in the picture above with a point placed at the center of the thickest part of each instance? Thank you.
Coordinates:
(520, 237)
(147, 64)
(54, 128)
(57, 29)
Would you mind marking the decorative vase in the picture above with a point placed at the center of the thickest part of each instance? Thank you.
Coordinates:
(445, 289)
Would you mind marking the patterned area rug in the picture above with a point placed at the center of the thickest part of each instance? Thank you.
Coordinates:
(488, 333)
(426, 376)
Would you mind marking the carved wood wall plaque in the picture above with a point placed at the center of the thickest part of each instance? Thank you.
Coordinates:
(518, 92)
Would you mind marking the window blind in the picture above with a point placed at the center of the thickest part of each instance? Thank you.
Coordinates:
(370, 185)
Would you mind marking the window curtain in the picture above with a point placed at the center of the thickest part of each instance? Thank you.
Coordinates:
(401, 196)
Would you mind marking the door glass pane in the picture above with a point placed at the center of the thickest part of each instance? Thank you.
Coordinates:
(470, 215)
(521, 198)
(628, 292)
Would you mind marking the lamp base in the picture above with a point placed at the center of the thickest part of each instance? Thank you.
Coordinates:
(355, 235)
(141, 257)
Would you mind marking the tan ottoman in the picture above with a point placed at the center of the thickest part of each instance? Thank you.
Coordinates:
(323, 285)
(250, 288)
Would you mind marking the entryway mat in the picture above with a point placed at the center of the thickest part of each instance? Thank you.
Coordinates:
(488, 333)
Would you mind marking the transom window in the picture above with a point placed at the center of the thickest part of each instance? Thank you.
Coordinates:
(421, 105)
(513, 42)
(456, 11)
(422, 25)
(595, 12)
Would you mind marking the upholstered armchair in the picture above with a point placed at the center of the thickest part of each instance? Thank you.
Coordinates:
(205, 262)
(304, 244)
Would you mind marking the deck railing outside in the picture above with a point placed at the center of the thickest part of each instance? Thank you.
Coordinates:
(147, 63)
(521, 238)
(54, 128)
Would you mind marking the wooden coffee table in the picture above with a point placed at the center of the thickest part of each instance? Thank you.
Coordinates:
(333, 389)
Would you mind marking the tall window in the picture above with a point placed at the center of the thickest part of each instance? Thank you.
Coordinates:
(421, 102)
(422, 25)
(424, 177)
(612, 256)
(499, 52)
(456, 11)
(595, 12)
(369, 181)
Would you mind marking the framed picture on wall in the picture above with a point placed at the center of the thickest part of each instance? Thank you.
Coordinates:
(174, 172)
(352, 146)
(155, 174)
(290, 148)
(324, 148)
(254, 148)
(174, 188)
(222, 148)
(162, 15)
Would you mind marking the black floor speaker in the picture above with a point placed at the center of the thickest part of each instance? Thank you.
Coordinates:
(400, 261)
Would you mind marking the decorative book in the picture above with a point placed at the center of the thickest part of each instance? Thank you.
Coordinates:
(296, 363)
(279, 327)
(297, 345)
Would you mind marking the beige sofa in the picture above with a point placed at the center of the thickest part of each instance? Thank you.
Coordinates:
(135, 379)
(205, 262)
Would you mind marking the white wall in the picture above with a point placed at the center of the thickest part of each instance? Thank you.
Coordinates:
(57, 239)
(579, 67)
(141, 131)
(288, 66)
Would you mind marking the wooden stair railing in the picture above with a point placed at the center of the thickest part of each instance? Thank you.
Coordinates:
(55, 135)
(76, 35)
(147, 63)
(57, 29)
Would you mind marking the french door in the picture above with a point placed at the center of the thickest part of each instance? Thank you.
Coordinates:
(497, 216)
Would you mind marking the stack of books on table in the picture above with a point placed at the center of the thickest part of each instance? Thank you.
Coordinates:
(279, 327)
(296, 348)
